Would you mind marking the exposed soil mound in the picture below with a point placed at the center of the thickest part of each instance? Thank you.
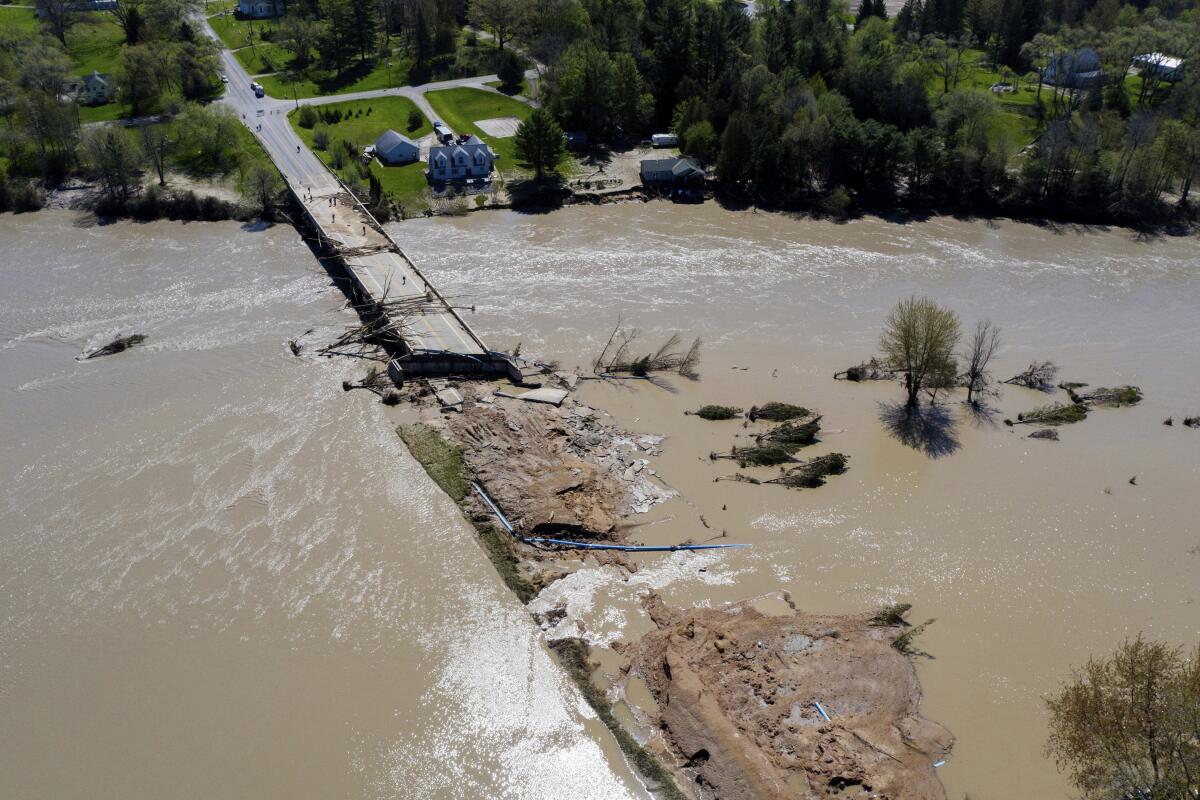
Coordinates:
(737, 694)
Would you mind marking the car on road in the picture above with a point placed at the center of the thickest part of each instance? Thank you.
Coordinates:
(224, 78)
(257, 88)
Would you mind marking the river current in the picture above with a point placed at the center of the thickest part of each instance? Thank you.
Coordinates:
(222, 576)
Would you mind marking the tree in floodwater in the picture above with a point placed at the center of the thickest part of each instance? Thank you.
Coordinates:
(262, 185)
(918, 342)
(1128, 726)
(981, 348)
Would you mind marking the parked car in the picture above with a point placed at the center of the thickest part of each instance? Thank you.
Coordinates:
(224, 78)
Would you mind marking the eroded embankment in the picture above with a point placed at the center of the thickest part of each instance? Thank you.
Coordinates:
(735, 690)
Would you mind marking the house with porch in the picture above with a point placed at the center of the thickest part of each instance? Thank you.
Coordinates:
(468, 159)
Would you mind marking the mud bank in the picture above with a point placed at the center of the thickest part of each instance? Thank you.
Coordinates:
(735, 691)
(743, 700)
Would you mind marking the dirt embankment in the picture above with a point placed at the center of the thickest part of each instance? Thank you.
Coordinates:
(737, 694)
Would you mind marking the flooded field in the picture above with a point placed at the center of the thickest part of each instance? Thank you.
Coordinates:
(221, 576)
(1031, 555)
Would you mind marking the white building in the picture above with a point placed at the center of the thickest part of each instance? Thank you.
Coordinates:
(466, 160)
(261, 9)
(393, 148)
(1158, 65)
(95, 89)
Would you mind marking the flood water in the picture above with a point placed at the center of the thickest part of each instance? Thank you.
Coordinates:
(1030, 555)
(221, 576)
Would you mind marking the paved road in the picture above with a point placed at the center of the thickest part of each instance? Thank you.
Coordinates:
(384, 273)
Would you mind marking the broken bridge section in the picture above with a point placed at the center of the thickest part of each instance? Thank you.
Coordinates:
(433, 338)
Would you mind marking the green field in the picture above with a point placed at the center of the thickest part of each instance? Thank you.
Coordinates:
(460, 108)
(237, 33)
(96, 45)
(405, 184)
(316, 82)
(262, 58)
(21, 19)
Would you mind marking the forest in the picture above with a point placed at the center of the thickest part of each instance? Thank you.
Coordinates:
(1085, 110)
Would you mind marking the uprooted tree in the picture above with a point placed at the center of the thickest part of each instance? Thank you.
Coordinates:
(618, 355)
(1128, 726)
(918, 342)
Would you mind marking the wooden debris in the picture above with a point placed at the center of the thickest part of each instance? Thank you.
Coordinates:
(1040, 375)
(873, 370)
(812, 474)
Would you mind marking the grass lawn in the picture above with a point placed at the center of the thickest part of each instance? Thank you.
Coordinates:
(460, 108)
(315, 82)
(522, 88)
(21, 19)
(262, 58)
(237, 33)
(96, 45)
(104, 113)
(405, 184)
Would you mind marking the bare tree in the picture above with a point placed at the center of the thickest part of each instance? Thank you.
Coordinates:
(156, 145)
(501, 17)
(978, 356)
(114, 156)
(59, 16)
(918, 341)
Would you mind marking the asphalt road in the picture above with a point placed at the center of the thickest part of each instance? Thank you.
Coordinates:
(381, 273)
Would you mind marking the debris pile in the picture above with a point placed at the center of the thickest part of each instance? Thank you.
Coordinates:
(798, 705)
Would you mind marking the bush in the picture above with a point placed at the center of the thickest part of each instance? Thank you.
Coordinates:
(307, 117)
(414, 119)
(838, 203)
(321, 138)
(511, 70)
(480, 200)
(717, 412)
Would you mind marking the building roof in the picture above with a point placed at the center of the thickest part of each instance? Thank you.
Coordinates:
(679, 167)
(1159, 60)
(389, 140)
(469, 148)
(96, 77)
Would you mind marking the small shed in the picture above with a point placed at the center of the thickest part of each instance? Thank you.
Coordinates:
(394, 148)
(671, 172)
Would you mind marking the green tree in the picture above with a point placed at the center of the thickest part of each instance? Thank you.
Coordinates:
(113, 155)
(511, 71)
(632, 102)
(583, 91)
(539, 142)
(918, 340)
(736, 161)
(299, 35)
(261, 185)
(699, 140)
(1128, 726)
(59, 15)
(501, 17)
(142, 78)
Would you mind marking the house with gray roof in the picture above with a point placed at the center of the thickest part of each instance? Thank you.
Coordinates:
(671, 172)
(393, 148)
(95, 89)
(1079, 69)
(467, 159)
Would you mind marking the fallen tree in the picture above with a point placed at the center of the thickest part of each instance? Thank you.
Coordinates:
(812, 473)
(873, 370)
(716, 412)
(1040, 376)
(1053, 414)
(118, 345)
(617, 355)
(1116, 397)
(777, 412)
(792, 434)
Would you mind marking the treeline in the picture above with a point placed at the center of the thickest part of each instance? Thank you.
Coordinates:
(344, 35)
(806, 103)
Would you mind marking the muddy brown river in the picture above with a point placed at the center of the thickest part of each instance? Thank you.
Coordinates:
(1031, 555)
(222, 576)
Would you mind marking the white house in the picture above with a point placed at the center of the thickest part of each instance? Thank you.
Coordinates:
(95, 89)
(261, 9)
(393, 148)
(465, 160)
(1158, 65)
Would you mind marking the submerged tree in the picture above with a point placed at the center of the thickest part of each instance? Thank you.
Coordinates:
(918, 341)
(1128, 726)
(982, 347)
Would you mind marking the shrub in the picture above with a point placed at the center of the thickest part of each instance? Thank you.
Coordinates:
(414, 119)
(838, 203)
(321, 138)
(307, 117)
(717, 412)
